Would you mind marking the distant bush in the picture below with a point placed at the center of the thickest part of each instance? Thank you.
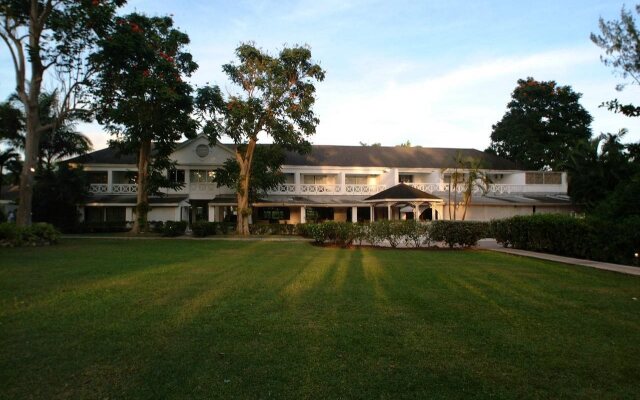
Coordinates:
(592, 237)
(273, 229)
(459, 233)
(103, 227)
(204, 228)
(38, 234)
(174, 228)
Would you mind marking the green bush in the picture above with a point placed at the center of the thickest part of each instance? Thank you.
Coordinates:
(204, 228)
(459, 233)
(156, 226)
(274, 229)
(592, 237)
(416, 233)
(104, 227)
(35, 235)
(174, 228)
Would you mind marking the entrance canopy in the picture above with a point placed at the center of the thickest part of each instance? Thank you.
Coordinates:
(403, 193)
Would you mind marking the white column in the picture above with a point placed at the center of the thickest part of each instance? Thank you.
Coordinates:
(296, 181)
(303, 215)
(389, 212)
(343, 181)
(178, 214)
(416, 211)
(354, 214)
(372, 213)
(128, 214)
(109, 180)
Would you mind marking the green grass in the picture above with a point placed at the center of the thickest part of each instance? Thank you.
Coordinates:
(205, 319)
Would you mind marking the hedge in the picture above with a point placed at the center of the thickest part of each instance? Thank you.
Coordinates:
(591, 238)
(174, 228)
(412, 233)
(38, 234)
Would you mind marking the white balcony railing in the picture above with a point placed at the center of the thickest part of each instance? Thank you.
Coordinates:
(320, 189)
(363, 189)
(114, 188)
(202, 186)
(494, 188)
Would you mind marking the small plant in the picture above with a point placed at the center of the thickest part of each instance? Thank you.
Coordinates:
(174, 228)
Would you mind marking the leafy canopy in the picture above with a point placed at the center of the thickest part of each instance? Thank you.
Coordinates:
(140, 92)
(542, 123)
(620, 39)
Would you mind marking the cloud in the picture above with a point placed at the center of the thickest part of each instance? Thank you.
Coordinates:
(454, 109)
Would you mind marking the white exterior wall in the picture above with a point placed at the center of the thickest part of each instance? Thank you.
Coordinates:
(162, 214)
(487, 213)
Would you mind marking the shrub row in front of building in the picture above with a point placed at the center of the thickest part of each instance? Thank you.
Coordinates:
(39, 234)
(409, 233)
(592, 238)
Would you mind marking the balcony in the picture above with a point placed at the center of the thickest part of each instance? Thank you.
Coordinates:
(307, 189)
(494, 188)
(114, 188)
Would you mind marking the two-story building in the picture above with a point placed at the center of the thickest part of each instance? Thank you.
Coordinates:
(342, 183)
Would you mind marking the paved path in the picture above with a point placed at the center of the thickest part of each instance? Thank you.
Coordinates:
(490, 244)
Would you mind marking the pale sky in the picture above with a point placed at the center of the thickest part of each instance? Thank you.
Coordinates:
(436, 73)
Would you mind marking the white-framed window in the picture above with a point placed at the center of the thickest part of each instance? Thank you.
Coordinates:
(202, 175)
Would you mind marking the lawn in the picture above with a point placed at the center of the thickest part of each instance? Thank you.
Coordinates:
(111, 318)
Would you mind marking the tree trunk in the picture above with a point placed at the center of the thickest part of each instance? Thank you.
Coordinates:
(244, 208)
(27, 175)
(142, 204)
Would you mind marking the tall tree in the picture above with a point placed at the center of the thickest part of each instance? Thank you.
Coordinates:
(275, 98)
(542, 123)
(266, 172)
(142, 97)
(50, 39)
(620, 39)
(466, 177)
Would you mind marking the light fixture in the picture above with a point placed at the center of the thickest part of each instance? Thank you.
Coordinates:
(32, 169)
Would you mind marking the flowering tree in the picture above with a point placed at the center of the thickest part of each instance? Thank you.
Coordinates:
(275, 97)
(142, 98)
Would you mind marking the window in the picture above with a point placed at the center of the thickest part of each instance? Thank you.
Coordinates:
(202, 150)
(273, 213)
(319, 179)
(177, 175)
(406, 178)
(319, 214)
(115, 214)
(202, 176)
(97, 177)
(543, 178)
(357, 179)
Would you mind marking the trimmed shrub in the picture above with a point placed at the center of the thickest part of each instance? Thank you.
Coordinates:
(416, 233)
(591, 237)
(156, 226)
(105, 227)
(38, 234)
(204, 228)
(273, 229)
(174, 228)
(459, 233)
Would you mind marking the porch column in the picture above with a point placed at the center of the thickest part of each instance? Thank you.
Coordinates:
(178, 212)
(296, 181)
(109, 180)
(416, 211)
(303, 215)
(354, 214)
(372, 213)
(389, 212)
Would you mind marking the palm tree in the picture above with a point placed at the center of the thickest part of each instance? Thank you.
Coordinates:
(6, 156)
(467, 176)
(55, 144)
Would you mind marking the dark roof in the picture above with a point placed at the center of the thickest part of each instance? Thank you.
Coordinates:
(110, 155)
(345, 156)
(402, 192)
(400, 157)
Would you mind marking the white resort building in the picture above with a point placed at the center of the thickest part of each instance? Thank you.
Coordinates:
(342, 183)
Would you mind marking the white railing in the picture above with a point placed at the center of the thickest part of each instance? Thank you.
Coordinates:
(363, 189)
(320, 189)
(115, 188)
(494, 188)
(284, 188)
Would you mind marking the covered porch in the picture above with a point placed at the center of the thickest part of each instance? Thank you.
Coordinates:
(402, 202)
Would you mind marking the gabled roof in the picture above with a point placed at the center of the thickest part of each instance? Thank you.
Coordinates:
(403, 192)
(343, 156)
